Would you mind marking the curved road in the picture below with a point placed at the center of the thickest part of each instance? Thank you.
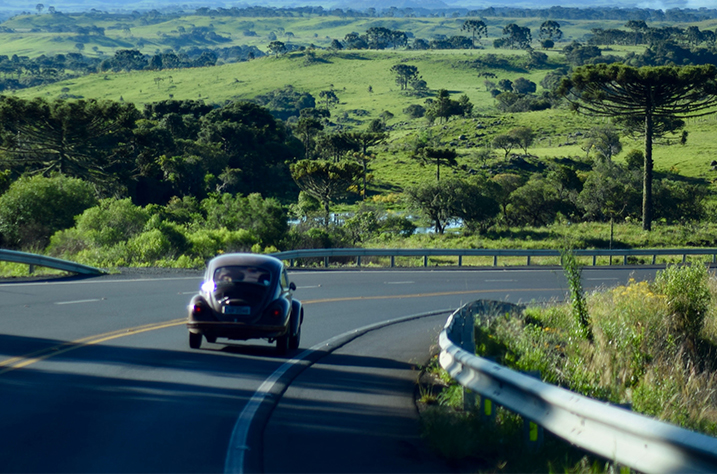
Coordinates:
(96, 374)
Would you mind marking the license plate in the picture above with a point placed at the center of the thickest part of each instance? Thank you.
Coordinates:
(242, 310)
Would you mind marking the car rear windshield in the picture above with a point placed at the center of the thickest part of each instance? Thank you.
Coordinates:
(248, 284)
(237, 274)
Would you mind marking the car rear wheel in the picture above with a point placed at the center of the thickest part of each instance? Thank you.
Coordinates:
(295, 339)
(282, 344)
(195, 340)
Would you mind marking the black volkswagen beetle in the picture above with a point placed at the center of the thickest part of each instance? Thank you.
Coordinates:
(246, 296)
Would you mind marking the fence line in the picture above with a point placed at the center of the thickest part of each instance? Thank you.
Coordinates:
(357, 253)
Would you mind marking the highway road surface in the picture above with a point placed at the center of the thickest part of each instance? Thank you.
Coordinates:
(96, 374)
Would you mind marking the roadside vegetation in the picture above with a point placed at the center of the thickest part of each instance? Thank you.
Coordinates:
(648, 346)
(471, 442)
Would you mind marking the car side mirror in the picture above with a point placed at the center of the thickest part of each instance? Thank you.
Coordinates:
(292, 286)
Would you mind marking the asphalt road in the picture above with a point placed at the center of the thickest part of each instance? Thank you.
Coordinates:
(96, 374)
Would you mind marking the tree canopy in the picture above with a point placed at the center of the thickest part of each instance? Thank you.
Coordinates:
(87, 139)
(326, 180)
(658, 97)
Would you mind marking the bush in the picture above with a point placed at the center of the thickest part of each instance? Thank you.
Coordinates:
(688, 298)
(415, 111)
(110, 222)
(150, 246)
(207, 243)
(34, 208)
(635, 160)
(264, 218)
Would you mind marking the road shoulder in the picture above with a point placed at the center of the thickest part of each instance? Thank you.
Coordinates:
(354, 410)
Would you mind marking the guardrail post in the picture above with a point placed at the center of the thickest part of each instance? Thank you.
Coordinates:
(31, 270)
(326, 262)
(684, 258)
(425, 260)
(393, 261)
(460, 260)
(594, 259)
(528, 260)
(533, 435)
(487, 409)
(495, 260)
(654, 259)
(291, 262)
(624, 259)
(358, 260)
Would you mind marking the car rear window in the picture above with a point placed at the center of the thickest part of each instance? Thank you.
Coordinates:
(242, 274)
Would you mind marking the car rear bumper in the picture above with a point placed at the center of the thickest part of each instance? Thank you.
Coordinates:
(232, 330)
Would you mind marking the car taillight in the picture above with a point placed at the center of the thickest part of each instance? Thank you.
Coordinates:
(275, 312)
(198, 309)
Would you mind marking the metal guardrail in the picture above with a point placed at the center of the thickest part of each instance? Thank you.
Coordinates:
(617, 434)
(34, 260)
(293, 255)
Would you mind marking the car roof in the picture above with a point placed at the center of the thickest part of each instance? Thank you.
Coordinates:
(245, 259)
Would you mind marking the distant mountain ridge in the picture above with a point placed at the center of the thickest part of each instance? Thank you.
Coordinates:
(18, 6)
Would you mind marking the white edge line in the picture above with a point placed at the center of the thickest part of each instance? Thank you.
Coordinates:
(79, 301)
(238, 442)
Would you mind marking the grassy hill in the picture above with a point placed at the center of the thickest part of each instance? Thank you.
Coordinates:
(361, 79)
(150, 35)
(351, 73)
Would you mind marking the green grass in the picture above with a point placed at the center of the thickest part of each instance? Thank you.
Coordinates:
(306, 30)
(471, 443)
(644, 349)
(19, 270)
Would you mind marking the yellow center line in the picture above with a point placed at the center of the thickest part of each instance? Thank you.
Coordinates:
(22, 361)
(44, 354)
(424, 295)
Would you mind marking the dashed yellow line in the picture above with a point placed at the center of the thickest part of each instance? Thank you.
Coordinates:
(19, 362)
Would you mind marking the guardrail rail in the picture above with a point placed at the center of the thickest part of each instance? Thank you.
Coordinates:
(615, 433)
(33, 260)
(358, 253)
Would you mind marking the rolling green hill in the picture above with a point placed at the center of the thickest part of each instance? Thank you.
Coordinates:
(360, 78)
(351, 73)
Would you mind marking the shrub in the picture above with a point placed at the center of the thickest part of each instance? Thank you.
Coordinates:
(110, 222)
(635, 160)
(206, 243)
(264, 218)
(150, 246)
(415, 111)
(688, 298)
(34, 208)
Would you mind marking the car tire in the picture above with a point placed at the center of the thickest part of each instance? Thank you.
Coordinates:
(195, 340)
(295, 339)
(282, 344)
